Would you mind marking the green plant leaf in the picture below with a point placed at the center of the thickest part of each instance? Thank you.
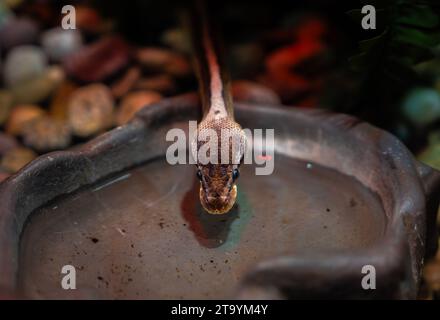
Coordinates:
(415, 54)
(418, 16)
(416, 37)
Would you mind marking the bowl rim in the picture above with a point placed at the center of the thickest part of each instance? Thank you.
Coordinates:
(398, 258)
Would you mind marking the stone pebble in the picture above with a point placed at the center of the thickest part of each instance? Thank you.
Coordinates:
(23, 63)
(91, 110)
(46, 134)
(164, 61)
(98, 61)
(59, 43)
(18, 31)
(39, 88)
(17, 158)
(133, 102)
(20, 116)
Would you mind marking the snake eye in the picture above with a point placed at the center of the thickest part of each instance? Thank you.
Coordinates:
(199, 175)
(235, 174)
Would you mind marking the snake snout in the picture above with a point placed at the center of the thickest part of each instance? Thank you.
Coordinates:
(217, 198)
(216, 203)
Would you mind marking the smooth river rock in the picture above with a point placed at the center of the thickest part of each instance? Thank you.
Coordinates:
(90, 110)
(23, 63)
(98, 61)
(58, 43)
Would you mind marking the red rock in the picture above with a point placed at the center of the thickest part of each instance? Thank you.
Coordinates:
(282, 64)
(162, 83)
(42, 11)
(89, 20)
(163, 61)
(98, 61)
(123, 85)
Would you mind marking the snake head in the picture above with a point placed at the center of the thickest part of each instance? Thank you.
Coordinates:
(218, 190)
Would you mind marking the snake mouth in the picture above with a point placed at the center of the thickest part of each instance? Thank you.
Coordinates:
(220, 205)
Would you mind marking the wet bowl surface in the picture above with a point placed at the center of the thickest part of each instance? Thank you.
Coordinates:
(143, 234)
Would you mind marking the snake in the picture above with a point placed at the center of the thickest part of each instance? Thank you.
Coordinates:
(218, 173)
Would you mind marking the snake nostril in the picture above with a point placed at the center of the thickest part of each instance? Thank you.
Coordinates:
(215, 194)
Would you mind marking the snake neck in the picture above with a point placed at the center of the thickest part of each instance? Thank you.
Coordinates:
(214, 84)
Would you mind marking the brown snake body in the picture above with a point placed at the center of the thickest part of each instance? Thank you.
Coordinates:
(218, 174)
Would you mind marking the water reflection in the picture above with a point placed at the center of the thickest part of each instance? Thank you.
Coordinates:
(210, 230)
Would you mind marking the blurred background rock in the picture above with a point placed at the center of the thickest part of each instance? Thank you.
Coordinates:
(60, 88)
